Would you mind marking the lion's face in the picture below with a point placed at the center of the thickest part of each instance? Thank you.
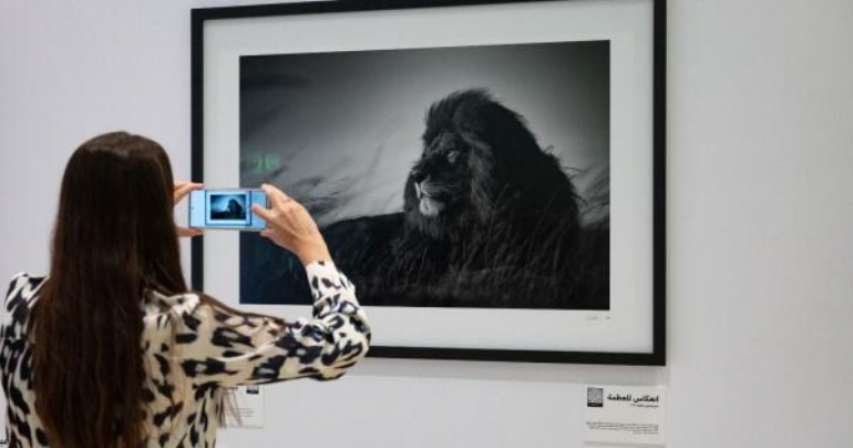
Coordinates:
(449, 187)
(439, 181)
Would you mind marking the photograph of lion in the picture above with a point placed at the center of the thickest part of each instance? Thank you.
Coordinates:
(463, 207)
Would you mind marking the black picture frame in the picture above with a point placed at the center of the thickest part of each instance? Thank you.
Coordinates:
(657, 357)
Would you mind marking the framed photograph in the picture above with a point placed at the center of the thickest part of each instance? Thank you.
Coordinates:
(489, 174)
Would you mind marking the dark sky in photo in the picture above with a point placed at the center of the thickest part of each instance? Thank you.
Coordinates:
(345, 127)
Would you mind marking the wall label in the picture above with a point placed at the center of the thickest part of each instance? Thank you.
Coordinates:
(246, 410)
(629, 415)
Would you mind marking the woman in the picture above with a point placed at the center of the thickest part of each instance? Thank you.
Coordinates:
(113, 350)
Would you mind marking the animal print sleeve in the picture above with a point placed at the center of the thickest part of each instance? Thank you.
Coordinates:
(231, 350)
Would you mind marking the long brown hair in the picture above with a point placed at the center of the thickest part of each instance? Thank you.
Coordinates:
(114, 236)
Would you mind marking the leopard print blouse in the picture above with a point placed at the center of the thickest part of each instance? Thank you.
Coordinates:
(193, 352)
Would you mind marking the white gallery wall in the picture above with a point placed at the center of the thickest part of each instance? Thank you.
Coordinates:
(760, 228)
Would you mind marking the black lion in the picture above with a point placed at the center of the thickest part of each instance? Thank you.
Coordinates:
(489, 220)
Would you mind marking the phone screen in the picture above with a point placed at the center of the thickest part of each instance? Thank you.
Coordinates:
(226, 209)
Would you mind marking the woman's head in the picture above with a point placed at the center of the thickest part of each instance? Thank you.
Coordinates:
(116, 206)
(114, 236)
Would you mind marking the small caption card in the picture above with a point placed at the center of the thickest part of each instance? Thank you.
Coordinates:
(247, 409)
(629, 415)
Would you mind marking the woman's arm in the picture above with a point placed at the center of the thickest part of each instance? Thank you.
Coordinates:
(230, 349)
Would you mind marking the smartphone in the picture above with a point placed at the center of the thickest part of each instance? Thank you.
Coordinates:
(227, 209)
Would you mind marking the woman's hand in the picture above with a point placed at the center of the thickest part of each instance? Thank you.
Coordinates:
(182, 189)
(290, 226)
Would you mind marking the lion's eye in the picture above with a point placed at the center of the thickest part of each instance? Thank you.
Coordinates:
(452, 156)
